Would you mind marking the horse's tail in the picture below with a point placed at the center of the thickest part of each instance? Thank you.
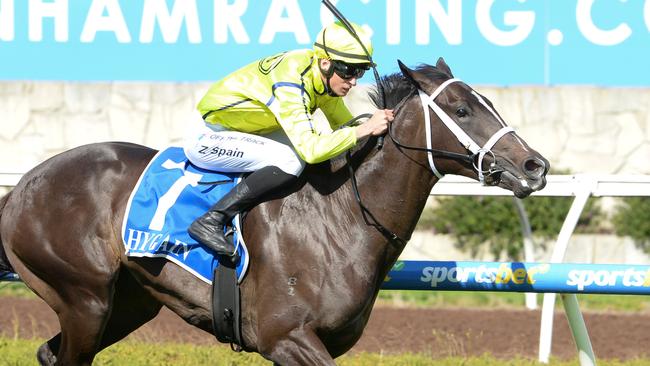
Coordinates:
(4, 261)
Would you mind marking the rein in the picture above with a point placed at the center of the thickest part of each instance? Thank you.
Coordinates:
(368, 217)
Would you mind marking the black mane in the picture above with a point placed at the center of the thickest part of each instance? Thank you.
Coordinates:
(397, 86)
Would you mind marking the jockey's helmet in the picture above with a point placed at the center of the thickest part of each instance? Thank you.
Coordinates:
(334, 42)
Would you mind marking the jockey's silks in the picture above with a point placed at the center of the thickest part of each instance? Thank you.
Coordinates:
(281, 91)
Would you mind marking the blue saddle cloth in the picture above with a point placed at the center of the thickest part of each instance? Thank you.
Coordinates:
(168, 197)
(9, 276)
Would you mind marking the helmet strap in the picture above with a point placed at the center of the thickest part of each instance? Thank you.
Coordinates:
(328, 73)
(330, 92)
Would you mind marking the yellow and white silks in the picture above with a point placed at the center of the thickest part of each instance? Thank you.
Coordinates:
(265, 104)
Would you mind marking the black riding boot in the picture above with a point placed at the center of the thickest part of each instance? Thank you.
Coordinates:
(209, 228)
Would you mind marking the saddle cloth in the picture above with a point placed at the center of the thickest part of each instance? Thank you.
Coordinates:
(170, 194)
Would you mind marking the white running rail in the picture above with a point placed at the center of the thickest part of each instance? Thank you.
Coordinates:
(9, 179)
(581, 187)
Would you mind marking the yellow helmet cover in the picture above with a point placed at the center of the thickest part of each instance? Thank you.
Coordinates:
(335, 42)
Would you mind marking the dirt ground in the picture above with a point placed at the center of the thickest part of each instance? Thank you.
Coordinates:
(438, 332)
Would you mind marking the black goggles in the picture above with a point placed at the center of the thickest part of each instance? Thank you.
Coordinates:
(349, 71)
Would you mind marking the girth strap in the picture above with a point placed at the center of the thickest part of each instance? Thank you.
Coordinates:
(226, 304)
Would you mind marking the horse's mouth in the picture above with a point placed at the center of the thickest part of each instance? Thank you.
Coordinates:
(520, 187)
(494, 178)
(521, 179)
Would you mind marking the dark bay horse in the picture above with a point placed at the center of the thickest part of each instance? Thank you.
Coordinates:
(316, 263)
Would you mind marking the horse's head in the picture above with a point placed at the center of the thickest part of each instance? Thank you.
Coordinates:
(465, 134)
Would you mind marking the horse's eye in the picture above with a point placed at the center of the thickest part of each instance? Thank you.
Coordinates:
(461, 112)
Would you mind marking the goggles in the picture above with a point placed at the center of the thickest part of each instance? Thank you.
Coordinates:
(349, 71)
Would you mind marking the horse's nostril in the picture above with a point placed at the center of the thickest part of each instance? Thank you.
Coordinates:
(531, 165)
(534, 167)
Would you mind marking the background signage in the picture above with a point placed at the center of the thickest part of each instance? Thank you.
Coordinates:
(504, 42)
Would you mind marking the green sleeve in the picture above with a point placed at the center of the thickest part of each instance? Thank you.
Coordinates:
(291, 109)
(336, 111)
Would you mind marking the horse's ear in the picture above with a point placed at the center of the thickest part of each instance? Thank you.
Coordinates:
(409, 74)
(442, 66)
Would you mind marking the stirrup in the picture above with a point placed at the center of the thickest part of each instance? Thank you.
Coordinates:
(228, 236)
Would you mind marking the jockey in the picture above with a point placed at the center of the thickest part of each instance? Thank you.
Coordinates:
(260, 120)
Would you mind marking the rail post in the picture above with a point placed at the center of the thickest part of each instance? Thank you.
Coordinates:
(548, 306)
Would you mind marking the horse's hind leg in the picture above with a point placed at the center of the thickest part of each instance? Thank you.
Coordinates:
(132, 307)
(82, 313)
(46, 352)
(82, 298)
(82, 323)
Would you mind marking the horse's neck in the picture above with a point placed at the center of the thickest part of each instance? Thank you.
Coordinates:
(394, 188)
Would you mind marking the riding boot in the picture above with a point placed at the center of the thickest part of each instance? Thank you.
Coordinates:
(209, 228)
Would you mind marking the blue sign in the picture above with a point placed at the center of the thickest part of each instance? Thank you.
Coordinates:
(505, 42)
(519, 277)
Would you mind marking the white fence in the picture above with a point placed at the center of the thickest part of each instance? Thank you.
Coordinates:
(9, 179)
(581, 187)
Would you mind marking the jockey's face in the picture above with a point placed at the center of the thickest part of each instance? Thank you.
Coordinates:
(337, 84)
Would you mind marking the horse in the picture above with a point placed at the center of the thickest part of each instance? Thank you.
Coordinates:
(319, 252)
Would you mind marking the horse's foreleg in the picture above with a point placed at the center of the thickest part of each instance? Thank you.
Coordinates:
(301, 347)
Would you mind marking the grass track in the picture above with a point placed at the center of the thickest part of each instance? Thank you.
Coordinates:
(14, 352)
(21, 352)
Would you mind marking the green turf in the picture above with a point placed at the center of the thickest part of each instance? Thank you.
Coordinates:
(22, 352)
(15, 289)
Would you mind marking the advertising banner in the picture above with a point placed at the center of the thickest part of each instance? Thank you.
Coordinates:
(504, 42)
(519, 277)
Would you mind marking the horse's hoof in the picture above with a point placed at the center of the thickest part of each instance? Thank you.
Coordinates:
(45, 356)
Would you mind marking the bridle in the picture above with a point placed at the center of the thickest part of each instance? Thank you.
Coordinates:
(478, 153)
(427, 100)
(476, 157)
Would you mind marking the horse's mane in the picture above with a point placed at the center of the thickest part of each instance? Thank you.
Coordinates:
(397, 86)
